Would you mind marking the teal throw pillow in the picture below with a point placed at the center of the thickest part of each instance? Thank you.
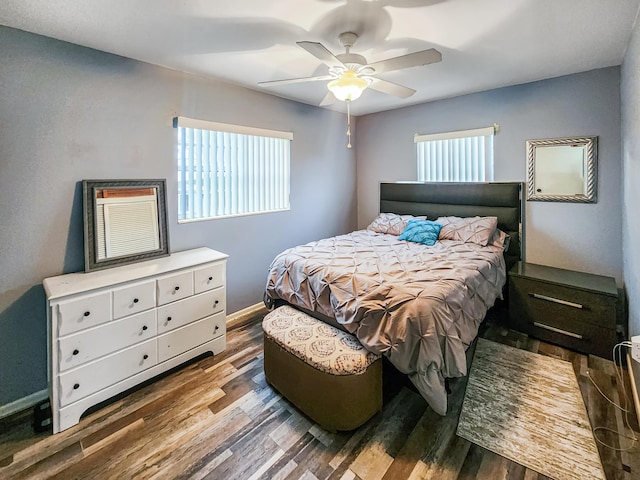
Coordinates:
(421, 231)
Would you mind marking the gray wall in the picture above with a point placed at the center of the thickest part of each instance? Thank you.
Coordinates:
(584, 237)
(631, 179)
(70, 113)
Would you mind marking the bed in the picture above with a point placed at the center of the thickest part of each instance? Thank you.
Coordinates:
(420, 306)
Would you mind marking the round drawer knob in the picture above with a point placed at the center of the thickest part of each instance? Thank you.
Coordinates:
(76, 351)
(176, 288)
(144, 327)
(145, 356)
(76, 386)
(210, 278)
(216, 302)
(135, 300)
(87, 313)
(168, 319)
(216, 328)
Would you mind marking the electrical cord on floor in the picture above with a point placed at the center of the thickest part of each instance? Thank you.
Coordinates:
(617, 364)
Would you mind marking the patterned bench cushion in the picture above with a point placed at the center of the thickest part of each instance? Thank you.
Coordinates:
(322, 346)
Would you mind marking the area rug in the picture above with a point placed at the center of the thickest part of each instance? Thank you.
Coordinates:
(528, 408)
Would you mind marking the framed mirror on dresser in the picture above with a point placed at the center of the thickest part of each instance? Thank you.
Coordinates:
(124, 222)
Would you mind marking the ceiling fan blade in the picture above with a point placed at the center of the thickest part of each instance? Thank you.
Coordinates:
(329, 99)
(391, 88)
(295, 80)
(321, 53)
(424, 57)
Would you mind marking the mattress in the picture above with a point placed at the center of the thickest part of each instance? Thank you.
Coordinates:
(418, 305)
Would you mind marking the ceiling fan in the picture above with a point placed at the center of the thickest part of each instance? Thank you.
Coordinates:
(350, 74)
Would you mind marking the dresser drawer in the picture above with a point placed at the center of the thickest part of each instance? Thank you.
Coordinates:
(209, 277)
(190, 336)
(82, 312)
(570, 304)
(175, 287)
(134, 298)
(185, 311)
(88, 345)
(91, 377)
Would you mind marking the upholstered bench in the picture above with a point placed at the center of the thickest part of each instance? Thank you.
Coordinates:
(325, 372)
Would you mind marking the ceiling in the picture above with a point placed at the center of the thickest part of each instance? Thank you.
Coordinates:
(484, 44)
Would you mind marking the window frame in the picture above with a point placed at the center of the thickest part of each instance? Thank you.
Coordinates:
(248, 157)
(456, 156)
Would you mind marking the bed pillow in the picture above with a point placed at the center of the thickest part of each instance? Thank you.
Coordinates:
(421, 231)
(391, 223)
(469, 230)
(500, 239)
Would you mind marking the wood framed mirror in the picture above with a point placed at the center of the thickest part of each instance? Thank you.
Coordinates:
(124, 222)
(562, 169)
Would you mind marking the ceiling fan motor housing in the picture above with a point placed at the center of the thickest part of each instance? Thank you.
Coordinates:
(351, 60)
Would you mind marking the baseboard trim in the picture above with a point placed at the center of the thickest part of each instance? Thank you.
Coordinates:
(241, 316)
(23, 403)
(634, 385)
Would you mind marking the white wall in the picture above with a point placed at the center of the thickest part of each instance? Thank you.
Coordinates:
(583, 237)
(70, 113)
(630, 88)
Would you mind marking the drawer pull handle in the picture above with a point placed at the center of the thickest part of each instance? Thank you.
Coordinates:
(168, 319)
(556, 300)
(145, 356)
(135, 300)
(76, 351)
(176, 288)
(558, 330)
(216, 328)
(210, 278)
(216, 302)
(144, 327)
(76, 386)
(87, 313)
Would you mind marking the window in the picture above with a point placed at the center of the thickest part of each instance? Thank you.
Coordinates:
(229, 170)
(464, 156)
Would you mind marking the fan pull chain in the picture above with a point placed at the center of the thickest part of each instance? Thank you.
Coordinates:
(348, 123)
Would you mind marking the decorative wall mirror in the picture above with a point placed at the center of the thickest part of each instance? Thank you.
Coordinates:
(562, 169)
(124, 222)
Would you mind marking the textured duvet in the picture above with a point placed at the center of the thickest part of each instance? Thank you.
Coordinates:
(419, 306)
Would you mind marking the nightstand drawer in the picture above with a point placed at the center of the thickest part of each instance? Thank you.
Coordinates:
(573, 306)
(586, 338)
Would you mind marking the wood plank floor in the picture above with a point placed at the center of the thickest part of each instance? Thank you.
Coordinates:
(218, 419)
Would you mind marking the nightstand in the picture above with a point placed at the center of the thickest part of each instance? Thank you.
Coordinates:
(572, 309)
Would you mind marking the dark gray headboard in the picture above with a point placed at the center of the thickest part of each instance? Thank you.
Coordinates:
(500, 199)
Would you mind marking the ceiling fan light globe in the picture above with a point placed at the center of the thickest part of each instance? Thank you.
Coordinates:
(348, 86)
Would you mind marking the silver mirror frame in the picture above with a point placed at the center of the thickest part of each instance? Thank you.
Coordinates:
(89, 188)
(591, 169)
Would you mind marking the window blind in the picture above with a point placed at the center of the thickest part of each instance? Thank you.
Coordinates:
(463, 156)
(227, 170)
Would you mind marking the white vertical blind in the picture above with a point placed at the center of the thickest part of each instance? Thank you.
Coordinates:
(465, 156)
(226, 172)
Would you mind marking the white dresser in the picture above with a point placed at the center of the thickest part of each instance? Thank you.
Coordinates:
(113, 329)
